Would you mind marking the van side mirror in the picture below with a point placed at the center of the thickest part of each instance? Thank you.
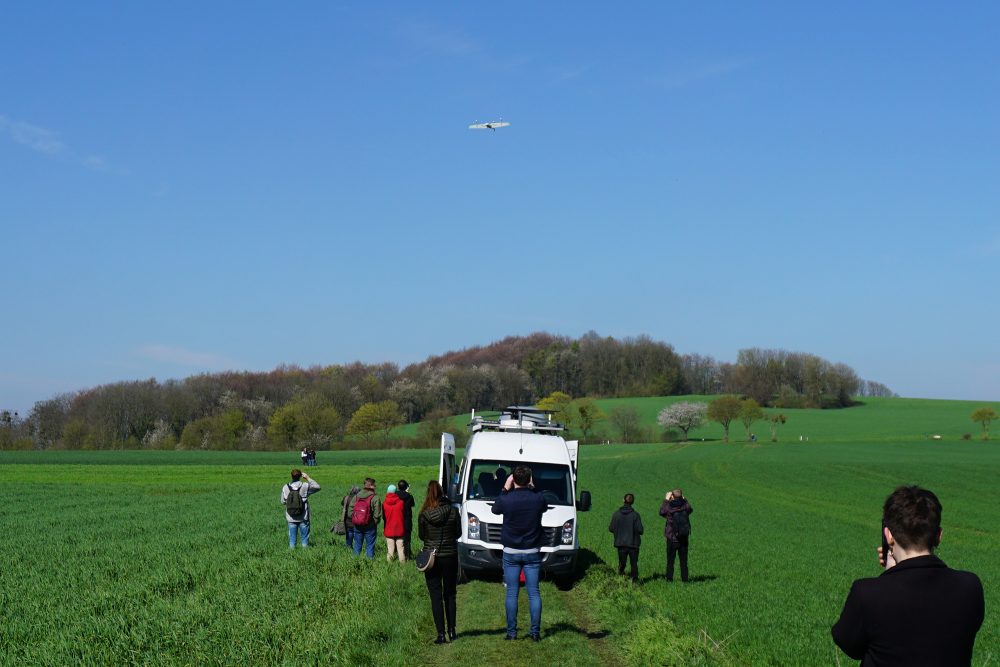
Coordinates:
(583, 504)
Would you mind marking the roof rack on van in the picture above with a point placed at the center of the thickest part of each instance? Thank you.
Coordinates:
(518, 418)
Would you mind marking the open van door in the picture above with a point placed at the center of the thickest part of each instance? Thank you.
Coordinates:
(573, 448)
(446, 471)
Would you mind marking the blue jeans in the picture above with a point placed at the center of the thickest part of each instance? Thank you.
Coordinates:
(532, 564)
(349, 537)
(301, 530)
(367, 536)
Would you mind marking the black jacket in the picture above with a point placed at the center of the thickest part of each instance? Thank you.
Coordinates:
(522, 511)
(408, 504)
(439, 528)
(919, 612)
(627, 527)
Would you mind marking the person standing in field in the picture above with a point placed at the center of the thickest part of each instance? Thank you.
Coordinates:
(522, 507)
(408, 504)
(365, 513)
(392, 518)
(438, 526)
(304, 455)
(918, 611)
(676, 509)
(626, 525)
(345, 515)
(295, 498)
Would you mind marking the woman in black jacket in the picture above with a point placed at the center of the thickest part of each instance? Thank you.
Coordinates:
(438, 527)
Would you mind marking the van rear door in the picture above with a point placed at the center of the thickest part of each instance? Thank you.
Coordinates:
(446, 469)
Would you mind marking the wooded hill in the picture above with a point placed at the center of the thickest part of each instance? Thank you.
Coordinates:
(291, 406)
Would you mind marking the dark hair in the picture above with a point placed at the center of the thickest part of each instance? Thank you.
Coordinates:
(434, 497)
(402, 485)
(522, 475)
(913, 516)
(296, 474)
(369, 481)
(629, 499)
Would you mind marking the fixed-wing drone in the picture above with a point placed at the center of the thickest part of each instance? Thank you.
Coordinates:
(492, 125)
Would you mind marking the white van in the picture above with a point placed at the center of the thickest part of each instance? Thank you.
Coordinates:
(520, 436)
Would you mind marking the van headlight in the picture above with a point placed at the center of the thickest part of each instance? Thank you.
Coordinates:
(567, 532)
(473, 527)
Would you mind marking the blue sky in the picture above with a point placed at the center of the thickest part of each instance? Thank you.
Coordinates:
(190, 187)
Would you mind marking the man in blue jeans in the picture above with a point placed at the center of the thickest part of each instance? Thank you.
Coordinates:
(522, 508)
(364, 513)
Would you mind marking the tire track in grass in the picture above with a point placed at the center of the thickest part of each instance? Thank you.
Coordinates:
(569, 634)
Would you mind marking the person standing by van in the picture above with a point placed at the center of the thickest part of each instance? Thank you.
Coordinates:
(365, 513)
(522, 508)
(676, 509)
(408, 504)
(438, 527)
(627, 529)
(295, 498)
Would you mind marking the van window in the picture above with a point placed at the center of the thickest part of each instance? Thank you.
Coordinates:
(486, 480)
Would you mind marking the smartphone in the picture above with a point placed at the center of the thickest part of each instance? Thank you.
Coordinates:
(885, 547)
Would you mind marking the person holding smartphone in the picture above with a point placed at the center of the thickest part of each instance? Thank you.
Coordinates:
(918, 611)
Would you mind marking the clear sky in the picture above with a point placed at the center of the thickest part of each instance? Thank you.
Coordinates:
(191, 186)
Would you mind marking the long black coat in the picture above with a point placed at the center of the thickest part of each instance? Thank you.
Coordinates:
(920, 612)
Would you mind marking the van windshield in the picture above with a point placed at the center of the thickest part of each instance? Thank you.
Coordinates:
(486, 480)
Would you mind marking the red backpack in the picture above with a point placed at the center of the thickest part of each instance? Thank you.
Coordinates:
(362, 514)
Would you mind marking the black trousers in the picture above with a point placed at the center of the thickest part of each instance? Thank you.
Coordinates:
(680, 547)
(442, 580)
(406, 543)
(632, 554)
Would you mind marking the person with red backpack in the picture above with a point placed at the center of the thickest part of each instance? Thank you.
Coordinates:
(365, 513)
(295, 498)
(392, 517)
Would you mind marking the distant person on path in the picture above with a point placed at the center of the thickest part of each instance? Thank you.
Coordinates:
(522, 508)
(676, 509)
(439, 526)
(345, 515)
(392, 518)
(365, 514)
(627, 529)
(408, 504)
(295, 498)
(918, 611)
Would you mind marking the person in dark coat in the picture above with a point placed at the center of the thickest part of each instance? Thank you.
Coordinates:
(439, 526)
(918, 611)
(677, 545)
(402, 490)
(627, 528)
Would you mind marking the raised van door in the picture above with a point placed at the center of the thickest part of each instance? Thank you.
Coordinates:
(446, 471)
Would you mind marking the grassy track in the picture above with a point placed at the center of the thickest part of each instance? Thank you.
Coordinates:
(185, 561)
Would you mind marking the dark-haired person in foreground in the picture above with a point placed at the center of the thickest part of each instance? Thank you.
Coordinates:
(408, 505)
(627, 529)
(522, 508)
(438, 526)
(918, 611)
(298, 523)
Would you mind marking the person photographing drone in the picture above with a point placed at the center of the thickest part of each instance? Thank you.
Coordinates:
(918, 611)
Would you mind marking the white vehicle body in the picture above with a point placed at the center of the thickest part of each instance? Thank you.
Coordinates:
(521, 436)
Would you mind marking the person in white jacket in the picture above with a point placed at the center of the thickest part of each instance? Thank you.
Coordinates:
(297, 513)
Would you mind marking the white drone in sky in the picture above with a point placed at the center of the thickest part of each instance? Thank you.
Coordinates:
(492, 125)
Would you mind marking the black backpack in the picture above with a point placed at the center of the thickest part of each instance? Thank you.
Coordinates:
(682, 523)
(294, 504)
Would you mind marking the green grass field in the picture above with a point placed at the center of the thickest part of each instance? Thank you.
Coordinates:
(181, 557)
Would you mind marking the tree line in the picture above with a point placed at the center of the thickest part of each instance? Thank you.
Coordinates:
(291, 406)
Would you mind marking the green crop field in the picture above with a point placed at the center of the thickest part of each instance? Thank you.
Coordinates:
(181, 557)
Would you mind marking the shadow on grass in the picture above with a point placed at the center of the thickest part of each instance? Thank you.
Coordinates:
(697, 579)
(569, 627)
